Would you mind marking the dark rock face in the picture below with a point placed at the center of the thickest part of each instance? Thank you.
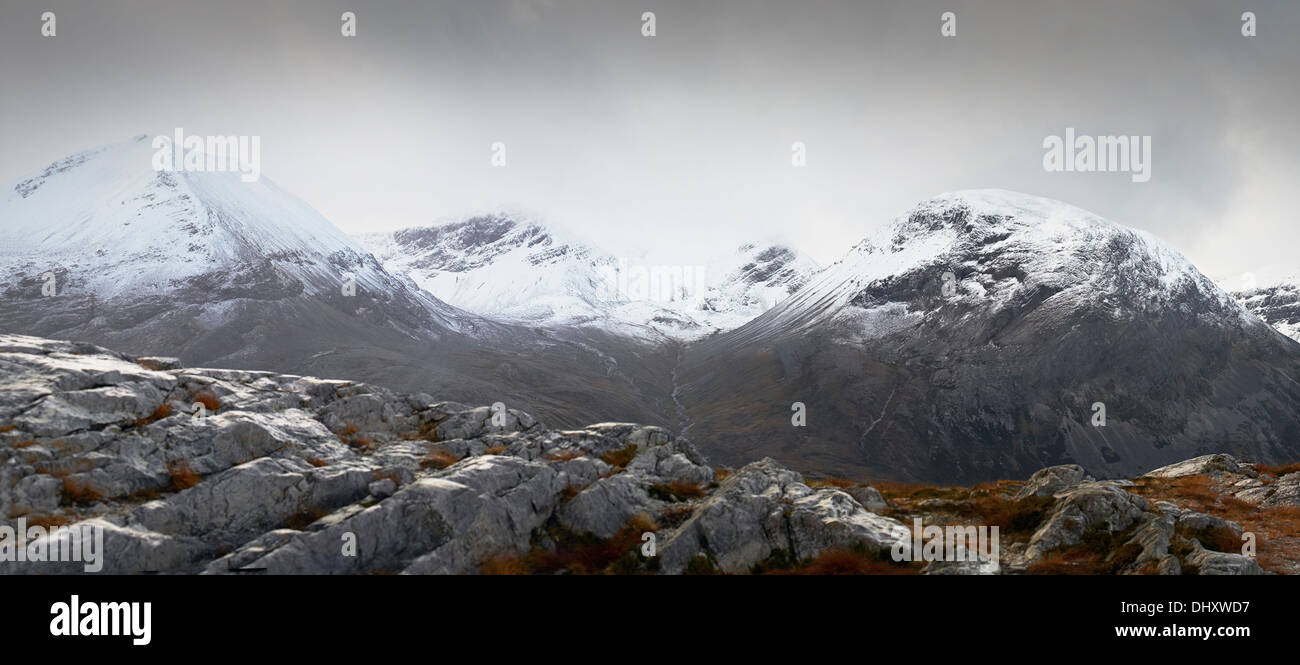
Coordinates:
(998, 375)
(470, 243)
(1278, 304)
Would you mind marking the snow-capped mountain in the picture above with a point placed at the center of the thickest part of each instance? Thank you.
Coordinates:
(100, 247)
(495, 266)
(751, 280)
(506, 269)
(1278, 304)
(993, 250)
(103, 225)
(106, 223)
(973, 336)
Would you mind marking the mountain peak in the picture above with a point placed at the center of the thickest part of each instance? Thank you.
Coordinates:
(112, 223)
(101, 245)
(992, 239)
(502, 266)
(468, 244)
(1277, 303)
(982, 330)
(979, 213)
(997, 250)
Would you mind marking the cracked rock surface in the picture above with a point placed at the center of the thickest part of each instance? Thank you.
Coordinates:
(218, 471)
(292, 474)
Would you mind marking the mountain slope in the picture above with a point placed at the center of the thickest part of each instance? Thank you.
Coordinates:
(495, 266)
(749, 281)
(106, 223)
(1278, 304)
(502, 268)
(225, 273)
(970, 338)
(128, 247)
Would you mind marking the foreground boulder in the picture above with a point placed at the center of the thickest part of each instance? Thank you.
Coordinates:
(1090, 506)
(764, 510)
(1053, 479)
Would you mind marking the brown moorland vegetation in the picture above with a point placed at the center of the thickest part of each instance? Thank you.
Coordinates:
(581, 554)
(1277, 528)
(437, 458)
(182, 475)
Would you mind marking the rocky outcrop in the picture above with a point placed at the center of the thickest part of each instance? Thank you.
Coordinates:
(1209, 562)
(765, 509)
(219, 471)
(1218, 463)
(1131, 534)
(1240, 480)
(1087, 506)
(1284, 492)
(1265, 491)
(1049, 481)
(229, 471)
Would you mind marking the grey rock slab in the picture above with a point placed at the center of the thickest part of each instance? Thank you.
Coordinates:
(1079, 508)
(1217, 463)
(1053, 479)
(764, 508)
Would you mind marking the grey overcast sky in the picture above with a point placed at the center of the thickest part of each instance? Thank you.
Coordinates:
(682, 141)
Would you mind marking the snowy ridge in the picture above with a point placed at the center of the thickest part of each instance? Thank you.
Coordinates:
(1277, 304)
(998, 245)
(750, 281)
(518, 270)
(495, 266)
